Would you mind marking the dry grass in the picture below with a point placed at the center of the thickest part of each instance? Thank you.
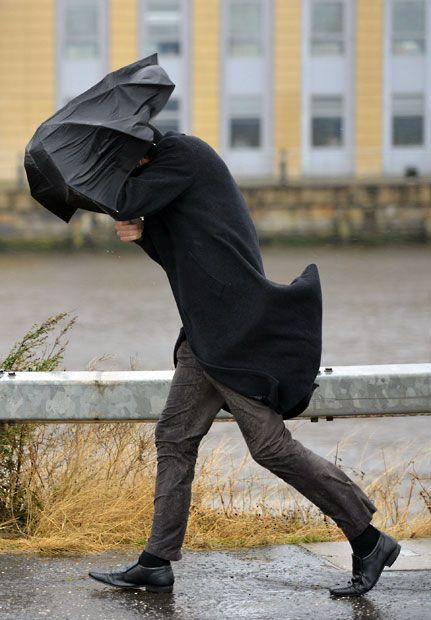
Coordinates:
(89, 487)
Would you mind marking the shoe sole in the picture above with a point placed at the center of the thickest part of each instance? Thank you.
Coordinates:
(159, 588)
(395, 553)
(388, 562)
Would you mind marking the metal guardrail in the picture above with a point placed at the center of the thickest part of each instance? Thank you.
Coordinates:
(71, 396)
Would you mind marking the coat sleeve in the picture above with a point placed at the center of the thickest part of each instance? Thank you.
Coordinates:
(165, 178)
(146, 244)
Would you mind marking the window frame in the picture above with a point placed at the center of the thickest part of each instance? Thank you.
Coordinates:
(394, 116)
(325, 36)
(68, 41)
(170, 115)
(256, 39)
(313, 117)
(233, 116)
(144, 30)
(66, 66)
(408, 35)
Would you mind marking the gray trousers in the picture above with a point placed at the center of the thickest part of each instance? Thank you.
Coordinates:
(193, 402)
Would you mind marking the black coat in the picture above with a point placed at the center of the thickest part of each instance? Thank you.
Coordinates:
(258, 337)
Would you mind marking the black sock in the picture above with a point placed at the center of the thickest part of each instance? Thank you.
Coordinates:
(363, 544)
(151, 561)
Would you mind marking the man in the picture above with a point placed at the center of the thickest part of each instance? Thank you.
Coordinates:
(248, 345)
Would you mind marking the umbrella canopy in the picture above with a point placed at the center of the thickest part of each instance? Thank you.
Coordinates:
(81, 156)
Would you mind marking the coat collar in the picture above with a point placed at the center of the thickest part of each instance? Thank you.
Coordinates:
(157, 144)
(172, 132)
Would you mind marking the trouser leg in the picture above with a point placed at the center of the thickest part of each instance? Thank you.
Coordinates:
(190, 409)
(322, 482)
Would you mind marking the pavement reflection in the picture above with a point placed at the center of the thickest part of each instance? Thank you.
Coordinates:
(264, 583)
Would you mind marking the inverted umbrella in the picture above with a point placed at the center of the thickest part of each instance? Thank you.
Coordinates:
(81, 156)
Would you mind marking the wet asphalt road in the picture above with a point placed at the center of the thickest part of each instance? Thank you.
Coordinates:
(279, 582)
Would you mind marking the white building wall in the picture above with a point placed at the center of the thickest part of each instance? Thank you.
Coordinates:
(177, 66)
(246, 81)
(81, 50)
(325, 76)
(406, 74)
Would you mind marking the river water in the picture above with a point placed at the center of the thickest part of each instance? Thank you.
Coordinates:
(376, 303)
(376, 310)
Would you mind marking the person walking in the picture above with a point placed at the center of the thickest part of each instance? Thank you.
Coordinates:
(247, 345)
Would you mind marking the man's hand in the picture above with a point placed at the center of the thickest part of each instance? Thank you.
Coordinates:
(129, 230)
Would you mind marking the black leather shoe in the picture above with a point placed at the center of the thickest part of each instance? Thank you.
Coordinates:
(366, 571)
(158, 579)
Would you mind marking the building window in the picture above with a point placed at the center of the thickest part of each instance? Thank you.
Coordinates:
(244, 28)
(82, 35)
(245, 121)
(169, 118)
(407, 120)
(327, 27)
(408, 27)
(163, 19)
(327, 123)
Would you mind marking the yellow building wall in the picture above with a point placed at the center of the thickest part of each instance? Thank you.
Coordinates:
(206, 70)
(369, 87)
(287, 84)
(124, 26)
(27, 75)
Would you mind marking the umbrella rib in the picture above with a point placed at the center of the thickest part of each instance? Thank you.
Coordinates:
(78, 124)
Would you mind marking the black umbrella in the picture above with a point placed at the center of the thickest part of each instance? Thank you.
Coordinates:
(81, 156)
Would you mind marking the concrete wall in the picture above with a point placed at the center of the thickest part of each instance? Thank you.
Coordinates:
(343, 212)
(321, 211)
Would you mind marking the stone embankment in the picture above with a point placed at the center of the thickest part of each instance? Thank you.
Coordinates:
(339, 211)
